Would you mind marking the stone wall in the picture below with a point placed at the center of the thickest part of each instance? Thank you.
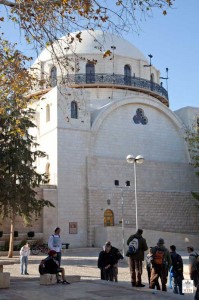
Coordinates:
(164, 211)
(114, 234)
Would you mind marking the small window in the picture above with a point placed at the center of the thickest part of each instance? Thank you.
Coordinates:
(90, 73)
(53, 77)
(127, 75)
(108, 218)
(47, 113)
(74, 110)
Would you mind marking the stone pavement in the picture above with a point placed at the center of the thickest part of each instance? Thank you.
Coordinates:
(81, 262)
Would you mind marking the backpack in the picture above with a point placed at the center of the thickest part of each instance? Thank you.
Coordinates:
(158, 256)
(42, 267)
(133, 246)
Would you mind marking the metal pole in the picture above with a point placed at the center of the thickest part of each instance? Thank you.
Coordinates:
(136, 209)
(122, 197)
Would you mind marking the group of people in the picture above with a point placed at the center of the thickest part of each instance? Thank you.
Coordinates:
(52, 263)
(159, 262)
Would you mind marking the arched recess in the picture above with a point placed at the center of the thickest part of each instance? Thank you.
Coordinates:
(90, 72)
(108, 218)
(74, 110)
(127, 75)
(53, 77)
(101, 115)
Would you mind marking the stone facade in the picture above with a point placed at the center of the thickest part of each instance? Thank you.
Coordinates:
(86, 154)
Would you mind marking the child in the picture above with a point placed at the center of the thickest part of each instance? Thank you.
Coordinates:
(24, 253)
(149, 258)
(149, 261)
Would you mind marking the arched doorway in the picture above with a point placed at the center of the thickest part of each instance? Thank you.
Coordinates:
(108, 218)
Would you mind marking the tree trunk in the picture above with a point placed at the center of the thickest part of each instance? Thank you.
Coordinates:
(11, 244)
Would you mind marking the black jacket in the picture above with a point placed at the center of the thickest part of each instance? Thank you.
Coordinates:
(106, 259)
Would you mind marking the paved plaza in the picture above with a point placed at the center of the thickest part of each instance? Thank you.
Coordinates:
(81, 262)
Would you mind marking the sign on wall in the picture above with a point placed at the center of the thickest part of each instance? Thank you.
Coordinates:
(72, 227)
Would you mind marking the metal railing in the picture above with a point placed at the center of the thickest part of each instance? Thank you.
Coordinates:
(115, 79)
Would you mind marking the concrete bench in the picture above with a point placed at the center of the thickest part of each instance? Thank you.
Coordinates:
(49, 279)
(4, 280)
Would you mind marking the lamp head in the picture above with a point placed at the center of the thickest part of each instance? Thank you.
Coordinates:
(130, 159)
(139, 159)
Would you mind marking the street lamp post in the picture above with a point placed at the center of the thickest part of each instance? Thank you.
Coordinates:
(127, 184)
(135, 160)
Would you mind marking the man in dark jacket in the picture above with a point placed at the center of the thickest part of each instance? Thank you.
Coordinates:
(177, 270)
(106, 261)
(52, 266)
(193, 269)
(136, 258)
(117, 255)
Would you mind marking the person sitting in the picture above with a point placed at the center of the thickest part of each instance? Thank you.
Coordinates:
(52, 266)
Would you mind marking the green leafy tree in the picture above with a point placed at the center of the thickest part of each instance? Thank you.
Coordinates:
(18, 151)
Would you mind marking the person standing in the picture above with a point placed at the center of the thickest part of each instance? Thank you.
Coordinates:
(106, 261)
(137, 257)
(117, 255)
(55, 243)
(193, 269)
(160, 265)
(177, 270)
(24, 253)
(149, 259)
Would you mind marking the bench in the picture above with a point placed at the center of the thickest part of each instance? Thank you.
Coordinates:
(49, 279)
(65, 245)
(5, 276)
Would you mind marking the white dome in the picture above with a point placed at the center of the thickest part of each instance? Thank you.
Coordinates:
(96, 42)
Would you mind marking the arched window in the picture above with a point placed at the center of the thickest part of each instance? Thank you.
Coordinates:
(53, 76)
(108, 218)
(74, 110)
(47, 113)
(90, 73)
(127, 75)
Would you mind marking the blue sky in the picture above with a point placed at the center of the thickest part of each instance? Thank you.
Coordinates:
(173, 40)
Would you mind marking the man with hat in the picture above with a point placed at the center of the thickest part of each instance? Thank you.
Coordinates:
(161, 263)
(117, 255)
(52, 266)
(136, 258)
(55, 243)
(106, 262)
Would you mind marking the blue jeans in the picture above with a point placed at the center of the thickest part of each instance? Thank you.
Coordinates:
(23, 264)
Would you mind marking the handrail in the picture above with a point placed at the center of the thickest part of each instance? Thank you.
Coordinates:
(116, 79)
